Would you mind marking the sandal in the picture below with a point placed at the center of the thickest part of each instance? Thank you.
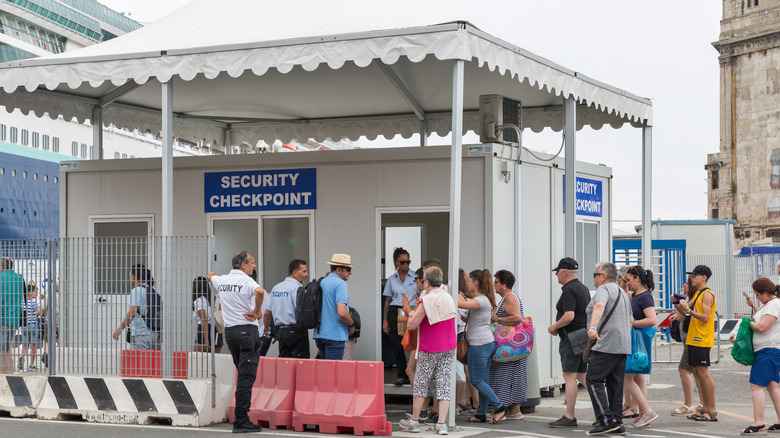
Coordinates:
(499, 415)
(477, 419)
(775, 428)
(705, 416)
(683, 411)
(632, 413)
(754, 430)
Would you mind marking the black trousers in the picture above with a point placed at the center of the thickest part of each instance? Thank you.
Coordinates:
(395, 340)
(243, 342)
(293, 342)
(605, 385)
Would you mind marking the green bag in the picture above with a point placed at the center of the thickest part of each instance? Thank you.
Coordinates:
(742, 351)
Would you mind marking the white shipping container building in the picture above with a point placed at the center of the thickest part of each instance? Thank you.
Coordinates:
(359, 194)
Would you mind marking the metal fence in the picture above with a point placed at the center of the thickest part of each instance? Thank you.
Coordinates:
(90, 278)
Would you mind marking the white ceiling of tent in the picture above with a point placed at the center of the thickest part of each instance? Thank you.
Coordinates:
(307, 72)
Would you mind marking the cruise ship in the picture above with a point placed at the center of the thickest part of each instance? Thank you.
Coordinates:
(31, 148)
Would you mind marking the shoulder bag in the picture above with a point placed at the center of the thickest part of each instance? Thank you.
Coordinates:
(513, 342)
(463, 345)
(687, 320)
(592, 342)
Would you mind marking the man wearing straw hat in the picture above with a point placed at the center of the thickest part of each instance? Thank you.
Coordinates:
(335, 323)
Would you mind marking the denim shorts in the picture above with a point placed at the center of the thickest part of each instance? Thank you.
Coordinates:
(7, 337)
(31, 336)
(766, 367)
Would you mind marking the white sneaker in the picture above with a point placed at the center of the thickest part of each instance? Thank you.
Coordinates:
(442, 429)
(645, 419)
(409, 425)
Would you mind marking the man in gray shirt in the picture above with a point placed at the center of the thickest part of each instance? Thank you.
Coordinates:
(607, 361)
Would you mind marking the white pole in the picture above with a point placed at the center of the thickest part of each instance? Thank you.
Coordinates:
(456, 162)
(647, 194)
(97, 131)
(570, 133)
(166, 275)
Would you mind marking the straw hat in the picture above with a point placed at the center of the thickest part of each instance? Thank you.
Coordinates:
(341, 260)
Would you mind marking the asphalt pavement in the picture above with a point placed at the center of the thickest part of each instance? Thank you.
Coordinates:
(733, 399)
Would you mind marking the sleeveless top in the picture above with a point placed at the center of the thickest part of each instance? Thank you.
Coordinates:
(702, 334)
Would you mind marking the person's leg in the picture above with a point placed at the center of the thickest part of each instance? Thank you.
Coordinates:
(395, 341)
(472, 390)
(759, 404)
(243, 342)
(444, 363)
(599, 366)
(614, 387)
(686, 381)
(706, 388)
(570, 396)
(411, 366)
(425, 369)
(283, 337)
(479, 363)
(300, 343)
(774, 393)
(320, 347)
(630, 383)
(333, 350)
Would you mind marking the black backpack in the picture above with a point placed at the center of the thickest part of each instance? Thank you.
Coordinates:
(153, 317)
(355, 320)
(308, 305)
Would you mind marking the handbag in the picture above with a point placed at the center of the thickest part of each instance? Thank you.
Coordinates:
(513, 342)
(577, 339)
(409, 341)
(462, 352)
(219, 321)
(640, 359)
(592, 342)
(674, 331)
(742, 351)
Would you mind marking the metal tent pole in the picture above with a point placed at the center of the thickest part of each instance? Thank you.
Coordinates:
(647, 194)
(570, 134)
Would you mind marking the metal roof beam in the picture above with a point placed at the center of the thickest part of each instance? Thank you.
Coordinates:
(401, 87)
(116, 93)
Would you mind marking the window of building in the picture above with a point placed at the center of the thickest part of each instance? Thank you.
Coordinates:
(83, 150)
(55, 144)
(74, 148)
(715, 179)
(116, 155)
(92, 152)
(2, 132)
(45, 178)
(25, 137)
(14, 134)
(24, 174)
(124, 155)
(56, 180)
(36, 140)
(13, 173)
(35, 177)
(714, 213)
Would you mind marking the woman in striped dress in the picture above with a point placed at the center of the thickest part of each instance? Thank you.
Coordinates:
(509, 379)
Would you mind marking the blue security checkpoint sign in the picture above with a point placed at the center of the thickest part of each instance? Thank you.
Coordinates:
(589, 196)
(260, 190)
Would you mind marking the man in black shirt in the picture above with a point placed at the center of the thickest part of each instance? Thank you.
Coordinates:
(571, 316)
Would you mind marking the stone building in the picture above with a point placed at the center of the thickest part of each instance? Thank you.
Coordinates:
(744, 177)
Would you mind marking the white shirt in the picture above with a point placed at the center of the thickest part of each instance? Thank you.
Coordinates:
(201, 304)
(237, 295)
(771, 337)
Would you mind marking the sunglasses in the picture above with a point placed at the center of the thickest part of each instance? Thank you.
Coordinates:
(404, 262)
(596, 274)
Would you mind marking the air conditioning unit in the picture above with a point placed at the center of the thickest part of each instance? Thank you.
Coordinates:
(496, 110)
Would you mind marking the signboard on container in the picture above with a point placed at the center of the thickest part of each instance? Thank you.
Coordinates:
(589, 197)
(260, 190)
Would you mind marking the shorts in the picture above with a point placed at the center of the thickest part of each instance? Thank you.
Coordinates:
(7, 337)
(766, 367)
(31, 336)
(684, 365)
(698, 356)
(570, 362)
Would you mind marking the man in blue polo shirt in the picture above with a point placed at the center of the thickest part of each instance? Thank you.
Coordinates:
(335, 324)
(400, 283)
(11, 294)
(293, 341)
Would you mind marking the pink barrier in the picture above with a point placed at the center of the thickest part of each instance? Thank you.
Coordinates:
(273, 394)
(339, 396)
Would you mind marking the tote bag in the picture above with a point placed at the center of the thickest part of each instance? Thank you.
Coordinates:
(640, 359)
(742, 351)
(513, 342)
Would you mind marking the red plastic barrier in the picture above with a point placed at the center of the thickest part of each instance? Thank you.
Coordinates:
(273, 394)
(148, 363)
(340, 396)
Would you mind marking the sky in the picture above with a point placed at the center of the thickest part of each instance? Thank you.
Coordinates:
(658, 49)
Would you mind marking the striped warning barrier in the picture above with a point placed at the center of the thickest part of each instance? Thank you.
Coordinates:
(20, 395)
(131, 401)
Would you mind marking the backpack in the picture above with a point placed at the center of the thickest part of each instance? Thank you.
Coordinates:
(153, 317)
(355, 320)
(308, 305)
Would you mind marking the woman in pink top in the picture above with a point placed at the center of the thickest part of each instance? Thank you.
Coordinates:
(435, 318)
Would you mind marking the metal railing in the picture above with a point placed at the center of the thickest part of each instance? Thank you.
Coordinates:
(90, 278)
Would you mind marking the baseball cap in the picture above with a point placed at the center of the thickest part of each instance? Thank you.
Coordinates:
(701, 270)
(567, 263)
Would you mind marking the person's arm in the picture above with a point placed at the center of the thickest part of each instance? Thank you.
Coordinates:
(210, 275)
(257, 313)
(204, 324)
(267, 321)
(764, 323)
(595, 319)
(346, 318)
(565, 320)
(126, 322)
(706, 299)
(512, 308)
(463, 303)
(650, 320)
(413, 323)
(385, 325)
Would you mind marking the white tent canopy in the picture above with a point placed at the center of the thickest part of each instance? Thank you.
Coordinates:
(267, 72)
